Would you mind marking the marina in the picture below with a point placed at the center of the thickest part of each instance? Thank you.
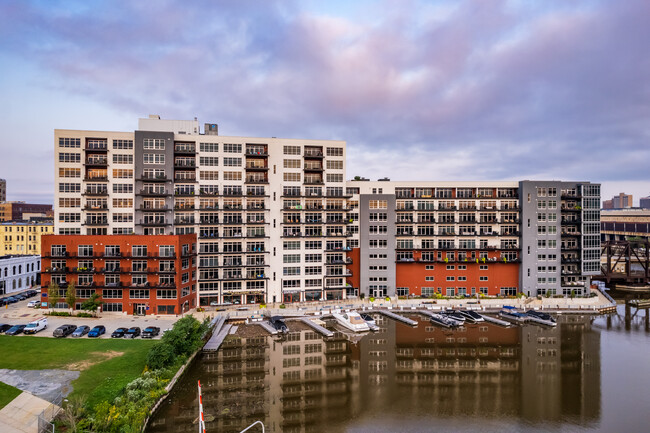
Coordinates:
(481, 376)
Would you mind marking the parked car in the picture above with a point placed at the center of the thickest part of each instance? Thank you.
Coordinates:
(11, 300)
(132, 332)
(64, 330)
(33, 304)
(20, 296)
(4, 327)
(97, 331)
(31, 293)
(119, 333)
(36, 326)
(3, 302)
(15, 330)
(81, 331)
(150, 332)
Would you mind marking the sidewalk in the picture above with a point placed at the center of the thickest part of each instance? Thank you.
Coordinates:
(21, 414)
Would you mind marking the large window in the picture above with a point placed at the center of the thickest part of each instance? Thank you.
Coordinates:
(153, 144)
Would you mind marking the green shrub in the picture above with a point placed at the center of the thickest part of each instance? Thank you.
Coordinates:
(160, 355)
(58, 313)
(84, 315)
(283, 306)
(371, 299)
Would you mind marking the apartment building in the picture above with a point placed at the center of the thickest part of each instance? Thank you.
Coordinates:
(269, 213)
(277, 222)
(426, 238)
(23, 237)
(135, 274)
(3, 190)
(620, 201)
(19, 210)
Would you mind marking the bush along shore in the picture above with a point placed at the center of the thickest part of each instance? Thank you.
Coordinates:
(127, 412)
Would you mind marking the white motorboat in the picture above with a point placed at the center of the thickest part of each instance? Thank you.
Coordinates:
(369, 319)
(352, 321)
(444, 320)
(471, 316)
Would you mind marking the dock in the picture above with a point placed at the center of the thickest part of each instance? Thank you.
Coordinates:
(520, 320)
(495, 320)
(316, 327)
(538, 321)
(217, 338)
(268, 327)
(394, 316)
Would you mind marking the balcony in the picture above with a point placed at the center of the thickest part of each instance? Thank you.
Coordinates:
(313, 167)
(445, 207)
(233, 193)
(185, 164)
(256, 179)
(150, 208)
(96, 192)
(96, 162)
(183, 207)
(96, 222)
(153, 177)
(313, 154)
(96, 208)
(97, 146)
(96, 178)
(184, 221)
(209, 220)
(314, 181)
(154, 192)
(208, 193)
(185, 149)
(251, 166)
(149, 223)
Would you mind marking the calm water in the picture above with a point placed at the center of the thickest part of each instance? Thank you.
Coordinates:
(588, 374)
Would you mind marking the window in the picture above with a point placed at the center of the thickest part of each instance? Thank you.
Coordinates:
(69, 157)
(292, 150)
(232, 175)
(70, 187)
(69, 172)
(209, 175)
(232, 148)
(123, 173)
(334, 165)
(153, 144)
(70, 142)
(334, 151)
(121, 158)
(331, 177)
(211, 161)
(378, 204)
(291, 177)
(291, 163)
(232, 162)
(378, 243)
(209, 147)
(122, 144)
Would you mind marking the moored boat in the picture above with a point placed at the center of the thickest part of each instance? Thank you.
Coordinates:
(444, 320)
(352, 321)
(278, 323)
(453, 314)
(511, 313)
(471, 316)
(541, 317)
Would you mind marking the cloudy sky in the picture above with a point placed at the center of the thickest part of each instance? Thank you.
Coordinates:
(420, 90)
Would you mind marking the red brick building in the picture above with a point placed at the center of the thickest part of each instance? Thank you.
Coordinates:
(135, 274)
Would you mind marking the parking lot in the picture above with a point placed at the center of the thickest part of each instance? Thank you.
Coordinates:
(19, 314)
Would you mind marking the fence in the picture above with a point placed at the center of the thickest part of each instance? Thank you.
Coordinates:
(45, 418)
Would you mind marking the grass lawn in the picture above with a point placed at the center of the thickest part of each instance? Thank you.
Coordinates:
(7, 393)
(106, 365)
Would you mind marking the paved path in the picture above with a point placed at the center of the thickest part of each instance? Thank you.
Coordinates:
(46, 384)
(21, 414)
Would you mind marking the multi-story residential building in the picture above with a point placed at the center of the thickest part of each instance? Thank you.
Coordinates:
(623, 224)
(644, 202)
(621, 201)
(23, 237)
(3, 190)
(135, 274)
(19, 210)
(560, 236)
(266, 210)
(276, 221)
(18, 273)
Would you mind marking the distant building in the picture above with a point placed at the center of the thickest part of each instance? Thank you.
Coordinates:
(19, 210)
(621, 201)
(644, 202)
(23, 237)
(622, 224)
(18, 273)
(3, 190)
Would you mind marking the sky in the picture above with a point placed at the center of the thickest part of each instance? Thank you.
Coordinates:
(419, 90)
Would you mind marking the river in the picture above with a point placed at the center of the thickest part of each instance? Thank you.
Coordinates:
(588, 374)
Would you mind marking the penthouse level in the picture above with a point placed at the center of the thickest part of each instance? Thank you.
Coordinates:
(134, 274)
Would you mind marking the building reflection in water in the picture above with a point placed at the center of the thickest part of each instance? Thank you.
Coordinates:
(306, 383)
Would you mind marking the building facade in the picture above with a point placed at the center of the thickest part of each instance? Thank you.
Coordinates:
(623, 224)
(18, 273)
(23, 237)
(277, 222)
(134, 274)
(644, 202)
(3, 190)
(19, 210)
(621, 201)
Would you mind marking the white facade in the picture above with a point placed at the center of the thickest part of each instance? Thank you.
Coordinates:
(18, 273)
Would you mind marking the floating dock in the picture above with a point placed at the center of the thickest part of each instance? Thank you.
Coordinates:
(316, 327)
(495, 320)
(217, 338)
(267, 326)
(394, 316)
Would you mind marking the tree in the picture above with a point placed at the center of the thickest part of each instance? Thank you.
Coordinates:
(70, 297)
(53, 295)
(161, 355)
(92, 304)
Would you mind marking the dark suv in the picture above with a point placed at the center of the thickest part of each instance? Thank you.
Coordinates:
(64, 331)
(118, 333)
(150, 332)
(132, 332)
